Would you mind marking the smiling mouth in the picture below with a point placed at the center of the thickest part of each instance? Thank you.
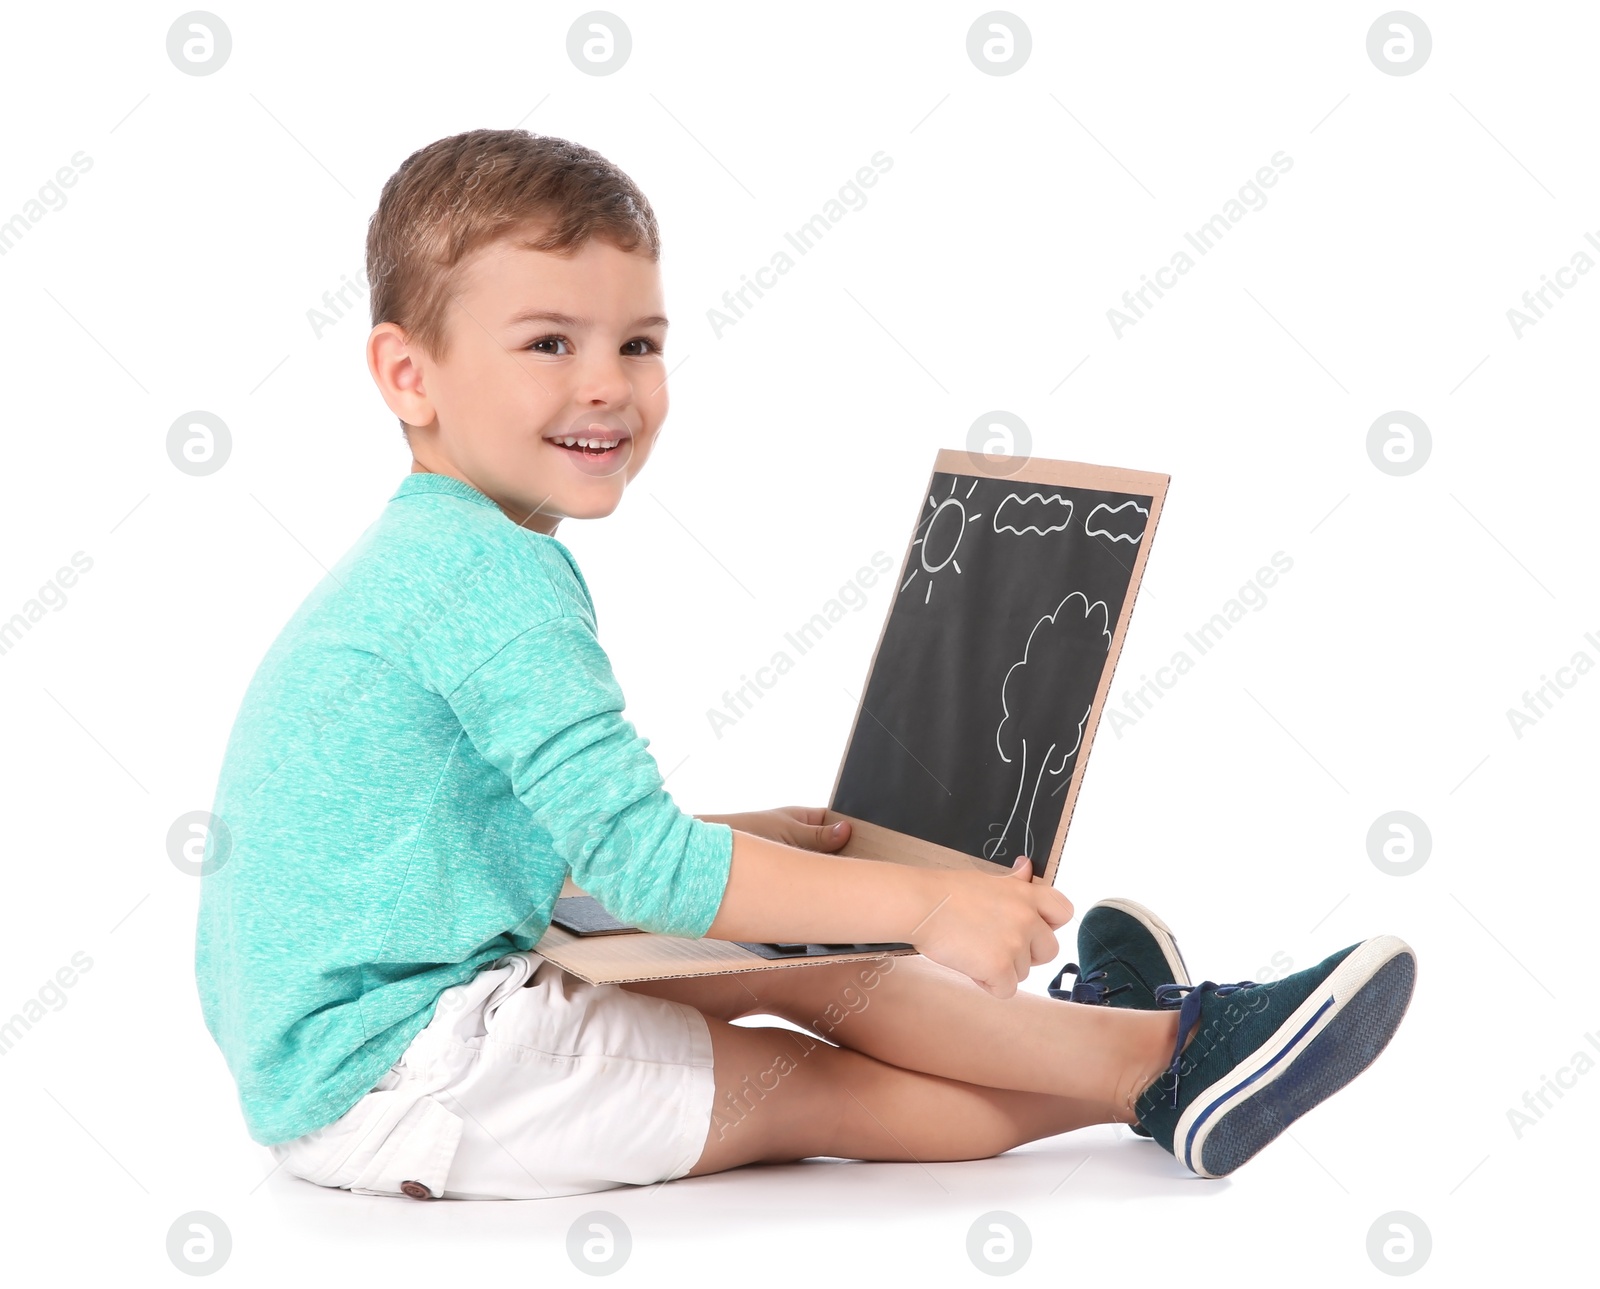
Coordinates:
(596, 443)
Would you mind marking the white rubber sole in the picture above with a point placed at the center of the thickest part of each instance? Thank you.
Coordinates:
(1329, 1039)
(1159, 931)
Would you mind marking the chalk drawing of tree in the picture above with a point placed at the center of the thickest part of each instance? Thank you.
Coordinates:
(1065, 650)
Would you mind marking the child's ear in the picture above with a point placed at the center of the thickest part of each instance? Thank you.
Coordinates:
(392, 360)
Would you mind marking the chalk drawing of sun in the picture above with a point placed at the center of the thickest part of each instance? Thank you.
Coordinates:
(940, 537)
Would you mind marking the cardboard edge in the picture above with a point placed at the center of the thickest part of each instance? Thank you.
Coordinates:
(726, 958)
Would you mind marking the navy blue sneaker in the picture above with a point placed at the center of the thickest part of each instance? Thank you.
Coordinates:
(1127, 953)
(1262, 1055)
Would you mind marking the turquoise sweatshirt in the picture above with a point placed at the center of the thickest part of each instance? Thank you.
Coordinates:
(431, 744)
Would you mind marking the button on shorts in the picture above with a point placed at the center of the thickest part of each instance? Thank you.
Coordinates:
(527, 1083)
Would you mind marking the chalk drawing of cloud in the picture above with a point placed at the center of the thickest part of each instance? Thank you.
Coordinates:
(1035, 513)
(1114, 524)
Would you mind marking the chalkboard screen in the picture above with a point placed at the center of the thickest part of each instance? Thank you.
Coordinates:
(1000, 639)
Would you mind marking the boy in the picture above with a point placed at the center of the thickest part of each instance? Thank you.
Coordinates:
(436, 740)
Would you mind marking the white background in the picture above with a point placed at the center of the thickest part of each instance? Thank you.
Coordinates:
(1019, 208)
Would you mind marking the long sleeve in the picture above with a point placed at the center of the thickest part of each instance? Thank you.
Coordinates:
(546, 710)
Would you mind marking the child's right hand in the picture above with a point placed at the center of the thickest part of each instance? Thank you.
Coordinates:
(993, 929)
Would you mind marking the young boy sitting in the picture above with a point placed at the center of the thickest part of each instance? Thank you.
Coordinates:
(435, 741)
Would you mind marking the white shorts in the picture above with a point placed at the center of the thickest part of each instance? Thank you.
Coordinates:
(527, 1083)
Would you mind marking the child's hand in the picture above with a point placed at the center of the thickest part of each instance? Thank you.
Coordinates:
(993, 929)
(802, 826)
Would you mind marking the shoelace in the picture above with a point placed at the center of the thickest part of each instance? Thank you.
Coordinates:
(1193, 997)
(1089, 988)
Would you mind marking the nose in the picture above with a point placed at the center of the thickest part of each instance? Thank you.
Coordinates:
(603, 382)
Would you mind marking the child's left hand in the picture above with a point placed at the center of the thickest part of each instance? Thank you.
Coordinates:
(802, 826)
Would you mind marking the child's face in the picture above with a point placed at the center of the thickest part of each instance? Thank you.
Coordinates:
(512, 384)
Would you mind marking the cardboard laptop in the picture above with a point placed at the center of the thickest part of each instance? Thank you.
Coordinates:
(982, 698)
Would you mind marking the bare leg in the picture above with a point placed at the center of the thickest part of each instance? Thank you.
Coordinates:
(784, 1096)
(916, 1014)
(929, 1067)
